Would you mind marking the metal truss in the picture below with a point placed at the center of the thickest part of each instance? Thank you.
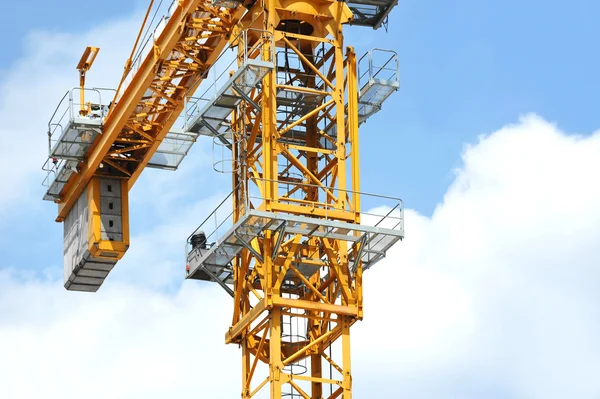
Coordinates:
(296, 153)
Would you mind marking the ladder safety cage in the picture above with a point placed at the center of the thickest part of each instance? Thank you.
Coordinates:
(234, 77)
(378, 78)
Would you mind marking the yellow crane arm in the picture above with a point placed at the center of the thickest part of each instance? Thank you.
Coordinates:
(189, 44)
(84, 65)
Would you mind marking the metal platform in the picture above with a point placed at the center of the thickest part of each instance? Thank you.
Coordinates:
(371, 13)
(173, 149)
(209, 114)
(215, 260)
(212, 116)
(71, 134)
(77, 137)
(378, 79)
(66, 153)
(58, 172)
(212, 261)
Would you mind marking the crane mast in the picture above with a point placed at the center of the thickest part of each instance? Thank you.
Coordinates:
(292, 251)
(301, 282)
(291, 241)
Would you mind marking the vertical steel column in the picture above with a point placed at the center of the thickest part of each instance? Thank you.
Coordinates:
(329, 302)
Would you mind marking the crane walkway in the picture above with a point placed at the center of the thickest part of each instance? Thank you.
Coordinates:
(219, 239)
(71, 133)
(372, 13)
(209, 114)
(378, 78)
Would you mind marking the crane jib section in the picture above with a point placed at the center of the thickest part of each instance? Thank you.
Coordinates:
(99, 155)
(182, 54)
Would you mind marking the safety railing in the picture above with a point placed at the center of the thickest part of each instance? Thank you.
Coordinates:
(332, 200)
(378, 64)
(292, 72)
(172, 150)
(373, 13)
(69, 109)
(52, 167)
(71, 130)
(146, 44)
(382, 211)
(216, 224)
(58, 172)
(251, 47)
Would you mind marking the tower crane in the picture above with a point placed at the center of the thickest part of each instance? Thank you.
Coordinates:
(290, 242)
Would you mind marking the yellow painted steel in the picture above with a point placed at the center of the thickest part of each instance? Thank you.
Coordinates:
(84, 65)
(144, 111)
(302, 157)
(324, 174)
(99, 248)
(147, 108)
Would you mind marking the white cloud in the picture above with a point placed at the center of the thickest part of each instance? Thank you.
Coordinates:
(31, 90)
(495, 295)
(124, 342)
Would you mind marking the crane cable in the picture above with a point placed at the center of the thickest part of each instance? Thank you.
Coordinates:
(128, 63)
(146, 37)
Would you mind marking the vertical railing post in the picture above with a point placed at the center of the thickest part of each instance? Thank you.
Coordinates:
(185, 113)
(216, 225)
(71, 105)
(370, 65)
(245, 40)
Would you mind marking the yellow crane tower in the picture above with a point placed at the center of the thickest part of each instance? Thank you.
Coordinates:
(283, 108)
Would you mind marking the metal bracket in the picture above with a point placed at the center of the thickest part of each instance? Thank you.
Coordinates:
(362, 242)
(281, 230)
(217, 280)
(249, 247)
(246, 97)
(216, 133)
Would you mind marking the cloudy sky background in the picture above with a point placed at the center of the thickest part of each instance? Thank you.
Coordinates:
(493, 294)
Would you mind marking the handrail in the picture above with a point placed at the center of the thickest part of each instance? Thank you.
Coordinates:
(56, 122)
(371, 67)
(50, 134)
(57, 107)
(213, 212)
(192, 103)
(398, 206)
(84, 89)
(334, 188)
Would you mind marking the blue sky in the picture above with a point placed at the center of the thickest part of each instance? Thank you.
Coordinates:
(467, 67)
(493, 288)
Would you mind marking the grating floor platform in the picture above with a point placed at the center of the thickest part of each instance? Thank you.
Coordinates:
(75, 140)
(372, 96)
(212, 118)
(214, 262)
(371, 13)
(172, 150)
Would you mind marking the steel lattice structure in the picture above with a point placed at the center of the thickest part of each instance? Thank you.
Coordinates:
(293, 248)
